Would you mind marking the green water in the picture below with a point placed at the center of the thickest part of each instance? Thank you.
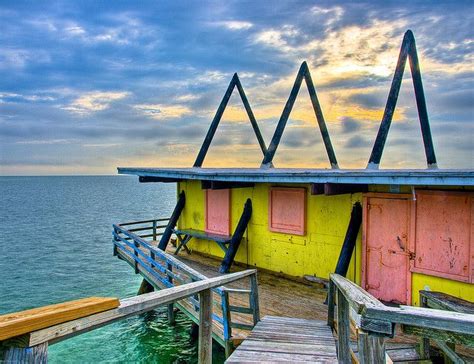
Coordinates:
(55, 245)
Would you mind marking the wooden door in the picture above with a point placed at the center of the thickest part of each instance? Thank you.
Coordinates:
(386, 249)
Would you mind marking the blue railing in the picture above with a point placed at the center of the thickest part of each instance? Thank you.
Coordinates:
(131, 244)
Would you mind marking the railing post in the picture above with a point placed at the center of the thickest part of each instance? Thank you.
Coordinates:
(115, 239)
(343, 329)
(37, 354)
(171, 316)
(425, 342)
(254, 305)
(154, 230)
(331, 290)
(205, 327)
(137, 245)
(371, 348)
(226, 323)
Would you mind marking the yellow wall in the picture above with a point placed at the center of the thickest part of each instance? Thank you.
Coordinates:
(315, 253)
(454, 288)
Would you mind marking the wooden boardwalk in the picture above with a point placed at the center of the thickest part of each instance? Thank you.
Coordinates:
(284, 339)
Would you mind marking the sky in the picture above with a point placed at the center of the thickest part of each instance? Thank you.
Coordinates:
(87, 86)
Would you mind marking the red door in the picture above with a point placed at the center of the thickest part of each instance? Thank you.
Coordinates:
(386, 249)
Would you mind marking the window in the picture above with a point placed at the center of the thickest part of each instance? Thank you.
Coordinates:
(443, 235)
(218, 211)
(287, 210)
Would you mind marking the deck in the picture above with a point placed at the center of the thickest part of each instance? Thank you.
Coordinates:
(238, 307)
(285, 339)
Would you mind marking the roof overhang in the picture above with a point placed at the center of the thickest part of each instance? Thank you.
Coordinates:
(412, 177)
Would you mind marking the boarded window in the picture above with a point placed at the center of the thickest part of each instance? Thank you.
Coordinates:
(287, 210)
(443, 235)
(218, 211)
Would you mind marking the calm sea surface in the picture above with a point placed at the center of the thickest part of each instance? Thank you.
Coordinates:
(55, 245)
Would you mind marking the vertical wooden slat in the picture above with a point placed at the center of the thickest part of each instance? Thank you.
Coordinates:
(254, 305)
(171, 316)
(205, 327)
(425, 342)
(137, 245)
(371, 348)
(343, 329)
(227, 323)
(331, 304)
(34, 355)
(154, 230)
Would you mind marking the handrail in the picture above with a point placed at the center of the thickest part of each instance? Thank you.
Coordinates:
(375, 321)
(140, 304)
(159, 264)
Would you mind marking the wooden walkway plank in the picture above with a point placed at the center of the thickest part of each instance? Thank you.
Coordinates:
(284, 339)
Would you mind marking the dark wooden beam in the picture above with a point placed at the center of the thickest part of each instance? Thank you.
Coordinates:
(146, 179)
(221, 185)
(330, 189)
(407, 50)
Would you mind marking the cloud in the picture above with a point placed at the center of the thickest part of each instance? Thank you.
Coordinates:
(350, 125)
(160, 111)
(94, 101)
(235, 24)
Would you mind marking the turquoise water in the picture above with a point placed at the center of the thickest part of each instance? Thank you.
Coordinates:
(55, 245)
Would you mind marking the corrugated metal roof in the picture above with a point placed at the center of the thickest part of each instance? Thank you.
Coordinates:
(425, 177)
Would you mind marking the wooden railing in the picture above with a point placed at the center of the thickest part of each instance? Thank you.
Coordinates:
(32, 346)
(374, 322)
(147, 228)
(165, 271)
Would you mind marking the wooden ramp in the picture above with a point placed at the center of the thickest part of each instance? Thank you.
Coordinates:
(284, 339)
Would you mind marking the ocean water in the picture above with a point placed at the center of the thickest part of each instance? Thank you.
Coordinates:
(55, 246)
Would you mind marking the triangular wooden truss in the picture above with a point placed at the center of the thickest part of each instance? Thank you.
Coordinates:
(303, 73)
(408, 50)
(235, 82)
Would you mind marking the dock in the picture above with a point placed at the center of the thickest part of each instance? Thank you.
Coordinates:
(277, 339)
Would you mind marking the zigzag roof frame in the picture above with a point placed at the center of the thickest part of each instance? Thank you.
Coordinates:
(303, 73)
(235, 82)
(407, 50)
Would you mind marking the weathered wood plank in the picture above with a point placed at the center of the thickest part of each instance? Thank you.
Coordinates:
(279, 339)
(448, 336)
(371, 348)
(18, 323)
(357, 297)
(130, 306)
(205, 328)
(35, 355)
(424, 317)
(343, 328)
(445, 301)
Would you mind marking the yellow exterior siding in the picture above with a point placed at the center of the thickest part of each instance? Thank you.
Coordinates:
(454, 288)
(315, 253)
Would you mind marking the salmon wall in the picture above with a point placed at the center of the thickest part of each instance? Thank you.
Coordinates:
(315, 253)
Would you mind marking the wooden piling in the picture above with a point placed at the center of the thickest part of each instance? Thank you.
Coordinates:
(31, 355)
(205, 328)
